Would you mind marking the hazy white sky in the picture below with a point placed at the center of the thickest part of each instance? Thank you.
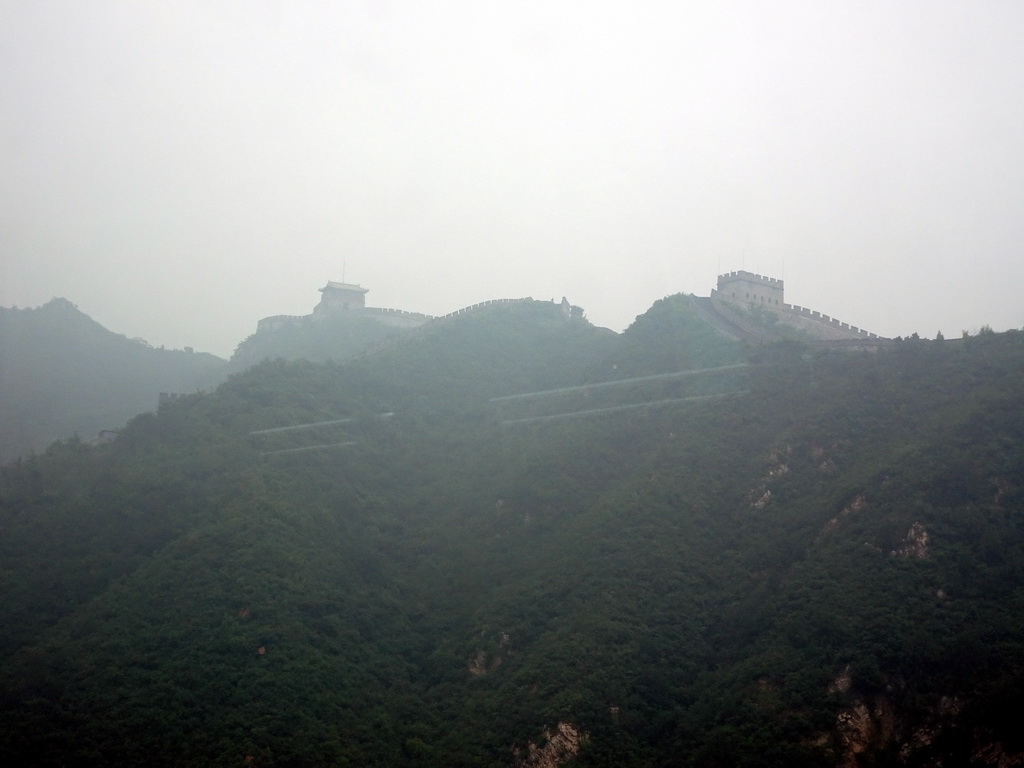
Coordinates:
(181, 169)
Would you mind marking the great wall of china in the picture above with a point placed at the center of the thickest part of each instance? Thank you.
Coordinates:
(348, 299)
(751, 307)
(744, 305)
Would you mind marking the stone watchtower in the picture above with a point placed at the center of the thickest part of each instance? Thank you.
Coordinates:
(341, 296)
(746, 288)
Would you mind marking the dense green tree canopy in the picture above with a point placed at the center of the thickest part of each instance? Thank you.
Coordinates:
(714, 569)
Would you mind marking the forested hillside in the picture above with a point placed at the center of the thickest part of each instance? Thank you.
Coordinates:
(472, 549)
(62, 373)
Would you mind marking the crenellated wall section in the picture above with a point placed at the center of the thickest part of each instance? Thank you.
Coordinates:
(395, 317)
(489, 303)
(731, 307)
(793, 312)
(741, 293)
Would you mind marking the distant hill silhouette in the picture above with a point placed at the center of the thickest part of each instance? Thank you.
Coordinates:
(62, 373)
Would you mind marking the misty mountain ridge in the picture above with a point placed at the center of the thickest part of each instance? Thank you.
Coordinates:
(744, 305)
(512, 537)
(62, 373)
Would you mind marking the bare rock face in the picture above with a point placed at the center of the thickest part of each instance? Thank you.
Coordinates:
(915, 544)
(861, 728)
(993, 754)
(482, 663)
(870, 724)
(478, 664)
(561, 746)
(761, 495)
(855, 733)
(856, 505)
(842, 683)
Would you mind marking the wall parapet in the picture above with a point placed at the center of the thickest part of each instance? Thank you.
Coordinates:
(389, 311)
(488, 303)
(752, 276)
(796, 309)
(276, 321)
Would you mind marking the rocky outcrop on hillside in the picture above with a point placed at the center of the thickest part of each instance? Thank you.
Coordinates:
(557, 748)
(934, 736)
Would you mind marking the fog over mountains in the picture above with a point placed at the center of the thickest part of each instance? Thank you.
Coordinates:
(63, 374)
(577, 483)
(180, 170)
(511, 538)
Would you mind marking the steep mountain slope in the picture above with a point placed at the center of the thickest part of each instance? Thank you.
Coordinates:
(819, 559)
(62, 373)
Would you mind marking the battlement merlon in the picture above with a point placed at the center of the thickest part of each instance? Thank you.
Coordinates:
(741, 274)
